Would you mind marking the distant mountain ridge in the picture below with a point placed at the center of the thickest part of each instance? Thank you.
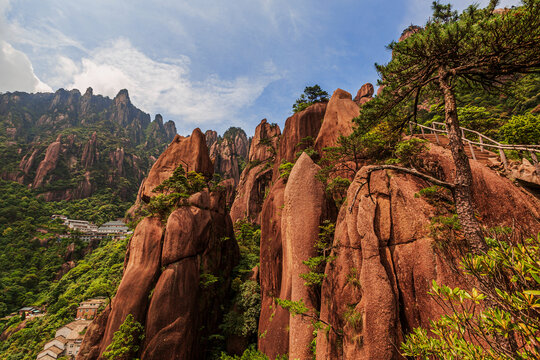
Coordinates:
(69, 146)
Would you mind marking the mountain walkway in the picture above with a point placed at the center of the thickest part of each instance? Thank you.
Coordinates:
(480, 147)
(476, 144)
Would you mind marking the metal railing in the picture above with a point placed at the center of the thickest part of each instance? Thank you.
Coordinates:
(483, 141)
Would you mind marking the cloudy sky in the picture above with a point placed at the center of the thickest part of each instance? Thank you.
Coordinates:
(207, 64)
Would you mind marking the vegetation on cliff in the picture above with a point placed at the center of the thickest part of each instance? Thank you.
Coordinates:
(97, 275)
(502, 303)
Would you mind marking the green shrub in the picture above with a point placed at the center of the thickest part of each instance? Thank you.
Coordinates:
(498, 320)
(407, 151)
(521, 129)
(126, 341)
(285, 170)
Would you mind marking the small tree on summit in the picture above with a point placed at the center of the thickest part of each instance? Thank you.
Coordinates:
(312, 94)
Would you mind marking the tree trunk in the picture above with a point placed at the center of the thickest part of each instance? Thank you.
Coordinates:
(463, 180)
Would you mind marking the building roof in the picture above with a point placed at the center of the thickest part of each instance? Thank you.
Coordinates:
(27, 308)
(45, 356)
(58, 338)
(114, 223)
(53, 349)
(76, 328)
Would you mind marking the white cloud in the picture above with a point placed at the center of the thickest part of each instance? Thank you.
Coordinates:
(164, 86)
(16, 71)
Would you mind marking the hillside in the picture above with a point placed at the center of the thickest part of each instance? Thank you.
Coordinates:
(70, 146)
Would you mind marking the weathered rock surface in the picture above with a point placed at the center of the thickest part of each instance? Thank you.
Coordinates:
(227, 153)
(274, 320)
(184, 309)
(49, 163)
(257, 176)
(166, 283)
(376, 288)
(190, 152)
(364, 94)
(250, 193)
(143, 262)
(304, 208)
(301, 125)
(340, 111)
(270, 134)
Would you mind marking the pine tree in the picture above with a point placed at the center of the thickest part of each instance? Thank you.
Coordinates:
(478, 47)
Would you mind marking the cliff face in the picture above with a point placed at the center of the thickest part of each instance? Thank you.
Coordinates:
(256, 177)
(164, 285)
(384, 251)
(228, 153)
(67, 146)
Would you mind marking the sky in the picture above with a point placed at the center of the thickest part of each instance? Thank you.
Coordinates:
(207, 64)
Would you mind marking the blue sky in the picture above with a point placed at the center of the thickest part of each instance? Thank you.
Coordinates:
(207, 64)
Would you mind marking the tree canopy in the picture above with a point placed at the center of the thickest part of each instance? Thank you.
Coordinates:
(479, 47)
(312, 94)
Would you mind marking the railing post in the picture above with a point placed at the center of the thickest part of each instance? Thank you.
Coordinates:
(472, 150)
(535, 161)
(410, 128)
(503, 158)
(462, 133)
(423, 135)
(435, 132)
(481, 142)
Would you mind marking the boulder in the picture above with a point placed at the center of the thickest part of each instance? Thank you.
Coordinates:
(364, 94)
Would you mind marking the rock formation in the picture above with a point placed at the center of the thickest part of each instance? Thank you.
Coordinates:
(54, 150)
(190, 152)
(257, 175)
(376, 288)
(49, 163)
(364, 94)
(301, 125)
(167, 282)
(337, 121)
(304, 208)
(228, 152)
(265, 142)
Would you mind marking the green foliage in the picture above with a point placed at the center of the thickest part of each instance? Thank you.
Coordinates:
(31, 251)
(243, 321)
(175, 190)
(97, 275)
(316, 264)
(242, 318)
(521, 129)
(312, 94)
(337, 188)
(285, 170)
(126, 341)
(498, 321)
(251, 353)
(407, 151)
(443, 13)
(471, 117)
